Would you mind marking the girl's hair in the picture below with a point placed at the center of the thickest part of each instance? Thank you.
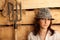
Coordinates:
(37, 27)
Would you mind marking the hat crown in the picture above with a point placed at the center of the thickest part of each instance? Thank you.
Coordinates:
(44, 13)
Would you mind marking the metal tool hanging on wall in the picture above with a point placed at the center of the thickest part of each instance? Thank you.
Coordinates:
(14, 17)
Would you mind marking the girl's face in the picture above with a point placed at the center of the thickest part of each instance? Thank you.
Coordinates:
(44, 23)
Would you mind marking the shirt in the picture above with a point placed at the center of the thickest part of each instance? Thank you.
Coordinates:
(55, 36)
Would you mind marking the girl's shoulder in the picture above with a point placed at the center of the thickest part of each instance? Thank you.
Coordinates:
(57, 32)
(30, 34)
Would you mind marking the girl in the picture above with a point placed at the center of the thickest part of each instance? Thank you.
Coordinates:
(42, 27)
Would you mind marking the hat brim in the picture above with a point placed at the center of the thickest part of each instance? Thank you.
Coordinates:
(48, 18)
(52, 19)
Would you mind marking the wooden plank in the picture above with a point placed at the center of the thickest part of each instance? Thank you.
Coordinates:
(23, 31)
(56, 15)
(28, 17)
(6, 33)
(56, 27)
(31, 4)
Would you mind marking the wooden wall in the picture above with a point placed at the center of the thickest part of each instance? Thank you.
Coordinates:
(25, 26)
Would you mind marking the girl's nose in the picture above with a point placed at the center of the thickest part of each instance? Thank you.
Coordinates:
(46, 20)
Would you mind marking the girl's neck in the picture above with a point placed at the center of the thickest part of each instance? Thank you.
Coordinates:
(43, 31)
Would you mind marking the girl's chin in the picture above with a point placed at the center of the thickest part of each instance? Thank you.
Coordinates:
(44, 27)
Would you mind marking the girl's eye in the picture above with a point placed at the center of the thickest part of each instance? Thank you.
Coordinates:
(48, 19)
(42, 19)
